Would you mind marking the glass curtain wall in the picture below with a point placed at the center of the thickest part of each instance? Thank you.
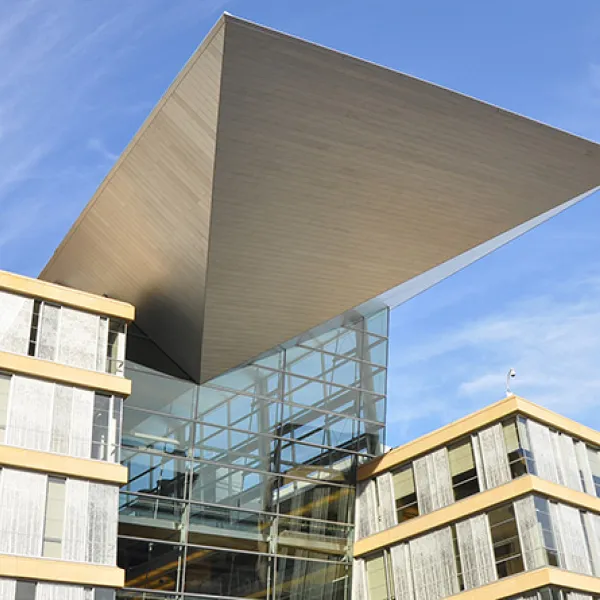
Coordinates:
(244, 487)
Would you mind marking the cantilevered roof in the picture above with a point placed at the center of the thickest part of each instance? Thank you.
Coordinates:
(278, 184)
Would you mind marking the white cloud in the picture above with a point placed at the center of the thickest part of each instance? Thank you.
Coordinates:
(550, 338)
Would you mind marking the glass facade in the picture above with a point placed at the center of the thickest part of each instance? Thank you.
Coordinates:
(244, 487)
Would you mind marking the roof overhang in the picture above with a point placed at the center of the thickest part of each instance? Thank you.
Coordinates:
(278, 184)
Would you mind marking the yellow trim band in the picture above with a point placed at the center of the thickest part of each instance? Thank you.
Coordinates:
(58, 464)
(60, 571)
(532, 580)
(45, 369)
(43, 290)
(477, 503)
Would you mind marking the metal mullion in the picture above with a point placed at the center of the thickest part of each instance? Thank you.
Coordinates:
(185, 517)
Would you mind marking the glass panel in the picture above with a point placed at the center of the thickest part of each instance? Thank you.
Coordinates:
(227, 408)
(306, 499)
(35, 326)
(117, 423)
(372, 407)
(155, 473)
(150, 564)
(462, 469)
(25, 590)
(156, 392)
(223, 573)
(312, 462)
(222, 526)
(312, 539)
(542, 511)
(457, 560)
(218, 484)
(594, 456)
(4, 392)
(405, 494)
(223, 445)
(525, 445)
(341, 341)
(288, 526)
(55, 517)
(115, 352)
(516, 454)
(251, 380)
(377, 323)
(376, 350)
(336, 369)
(100, 428)
(138, 511)
(329, 429)
(156, 431)
(376, 578)
(505, 540)
(310, 579)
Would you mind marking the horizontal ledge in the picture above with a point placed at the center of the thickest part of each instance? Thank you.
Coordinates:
(60, 571)
(45, 369)
(36, 288)
(528, 484)
(529, 581)
(58, 464)
(471, 423)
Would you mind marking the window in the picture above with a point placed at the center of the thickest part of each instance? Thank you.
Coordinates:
(106, 427)
(4, 392)
(115, 352)
(594, 457)
(376, 580)
(404, 493)
(459, 572)
(542, 512)
(462, 469)
(516, 457)
(35, 325)
(104, 594)
(25, 590)
(55, 516)
(505, 541)
(100, 427)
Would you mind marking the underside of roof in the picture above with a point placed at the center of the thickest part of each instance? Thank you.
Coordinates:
(278, 184)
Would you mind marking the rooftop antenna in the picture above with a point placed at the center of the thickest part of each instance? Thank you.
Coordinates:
(510, 375)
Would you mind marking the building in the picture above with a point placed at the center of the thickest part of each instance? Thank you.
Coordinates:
(62, 387)
(503, 504)
(276, 204)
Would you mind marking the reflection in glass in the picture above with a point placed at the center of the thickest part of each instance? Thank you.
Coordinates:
(298, 578)
(155, 473)
(244, 486)
(224, 573)
(150, 564)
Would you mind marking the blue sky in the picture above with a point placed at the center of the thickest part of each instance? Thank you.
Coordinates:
(78, 78)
